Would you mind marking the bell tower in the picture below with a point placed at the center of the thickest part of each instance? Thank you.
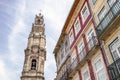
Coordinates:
(35, 53)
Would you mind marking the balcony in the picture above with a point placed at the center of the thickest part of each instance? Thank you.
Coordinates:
(65, 76)
(114, 70)
(88, 51)
(110, 22)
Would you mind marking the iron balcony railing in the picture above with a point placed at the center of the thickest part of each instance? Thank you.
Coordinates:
(85, 52)
(114, 70)
(65, 76)
(109, 17)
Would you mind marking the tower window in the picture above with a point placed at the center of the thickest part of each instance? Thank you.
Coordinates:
(38, 21)
(33, 64)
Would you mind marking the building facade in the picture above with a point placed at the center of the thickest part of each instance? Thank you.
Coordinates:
(106, 15)
(89, 45)
(35, 53)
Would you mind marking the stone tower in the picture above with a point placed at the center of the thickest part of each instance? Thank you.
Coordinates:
(35, 53)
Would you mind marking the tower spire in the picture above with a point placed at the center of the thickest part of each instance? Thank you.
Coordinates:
(35, 53)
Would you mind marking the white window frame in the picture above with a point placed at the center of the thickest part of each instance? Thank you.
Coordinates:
(101, 69)
(90, 35)
(81, 50)
(84, 16)
(71, 36)
(73, 57)
(102, 13)
(114, 48)
(77, 26)
(84, 77)
(111, 2)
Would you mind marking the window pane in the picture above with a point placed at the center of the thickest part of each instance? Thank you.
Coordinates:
(90, 40)
(80, 47)
(115, 48)
(71, 37)
(119, 50)
(115, 55)
(77, 26)
(98, 65)
(86, 75)
(94, 1)
(85, 12)
(101, 75)
(102, 14)
(33, 64)
(111, 2)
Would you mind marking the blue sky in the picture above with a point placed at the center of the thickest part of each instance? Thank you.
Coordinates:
(16, 18)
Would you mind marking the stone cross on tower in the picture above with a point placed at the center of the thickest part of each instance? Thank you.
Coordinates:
(35, 53)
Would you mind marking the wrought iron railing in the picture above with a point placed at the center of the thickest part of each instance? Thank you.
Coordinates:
(65, 76)
(85, 51)
(109, 17)
(114, 70)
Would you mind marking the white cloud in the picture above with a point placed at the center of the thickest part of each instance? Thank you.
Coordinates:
(55, 13)
(3, 70)
(14, 37)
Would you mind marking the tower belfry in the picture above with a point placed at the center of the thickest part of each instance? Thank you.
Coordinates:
(35, 53)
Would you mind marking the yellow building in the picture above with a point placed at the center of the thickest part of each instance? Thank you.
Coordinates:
(107, 19)
(83, 51)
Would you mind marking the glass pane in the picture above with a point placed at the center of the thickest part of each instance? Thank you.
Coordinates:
(77, 26)
(71, 36)
(86, 75)
(115, 55)
(101, 75)
(119, 50)
(94, 1)
(111, 2)
(98, 65)
(102, 14)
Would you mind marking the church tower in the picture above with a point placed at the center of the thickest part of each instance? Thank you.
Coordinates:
(35, 53)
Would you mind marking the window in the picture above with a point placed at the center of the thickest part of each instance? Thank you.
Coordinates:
(111, 2)
(73, 59)
(81, 51)
(90, 38)
(115, 48)
(85, 12)
(71, 36)
(102, 13)
(94, 1)
(86, 75)
(77, 26)
(99, 69)
(33, 64)
(73, 56)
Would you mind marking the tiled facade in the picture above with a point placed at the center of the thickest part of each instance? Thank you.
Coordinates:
(89, 45)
